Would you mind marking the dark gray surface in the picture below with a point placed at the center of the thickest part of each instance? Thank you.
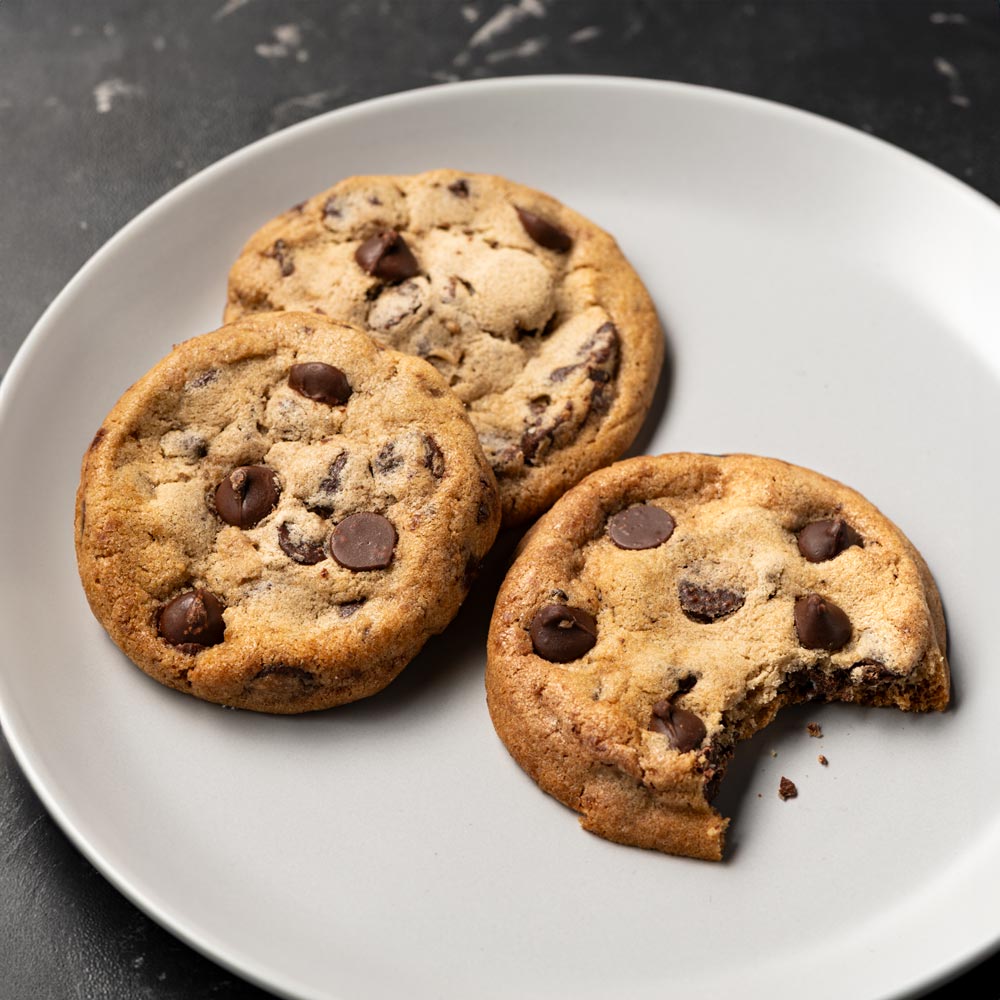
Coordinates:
(105, 105)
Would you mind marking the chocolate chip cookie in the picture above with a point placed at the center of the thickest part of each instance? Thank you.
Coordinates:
(528, 310)
(280, 513)
(667, 607)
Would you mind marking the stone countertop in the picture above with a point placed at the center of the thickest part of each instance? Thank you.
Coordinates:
(105, 106)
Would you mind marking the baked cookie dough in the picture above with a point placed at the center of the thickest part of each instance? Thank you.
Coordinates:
(667, 607)
(280, 513)
(528, 310)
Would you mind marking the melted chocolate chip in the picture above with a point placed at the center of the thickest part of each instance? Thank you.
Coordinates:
(820, 624)
(387, 256)
(98, 438)
(387, 458)
(560, 633)
(704, 605)
(298, 548)
(319, 381)
(282, 255)
(823, 540)
(641, 527)
(247, 495)
(331, 209)
(433, 457)
(543, 232)
(193, 619)
(348, 608)
(459, 188)
(363, 541)
(683, 729)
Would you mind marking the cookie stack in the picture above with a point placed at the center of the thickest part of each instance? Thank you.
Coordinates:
(280, 513)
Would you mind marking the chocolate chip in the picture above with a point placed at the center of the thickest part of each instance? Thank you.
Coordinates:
(823, 540)
(331, 209)
(543, 232)
(683, 729)
(820, 624)
(98, 438)
(560, 633)
(387, 458)
(459, 188)
(363, 541)
(348, 608)
(280, 253)
(298, 548)
(192, 619)
(319, 381)
(705, 605)
(433, 457)
(643, 526)
(559, 374)
(786, 789)
(387, 256)
(247, 495)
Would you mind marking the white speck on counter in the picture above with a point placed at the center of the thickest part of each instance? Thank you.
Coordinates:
(109, 30)
(287, 41)
(108, 91)
(441, 76)
(159, 43)
(944, 17)
(470, 13)
(83, 225)
(506, 18)
(528, 48)
(948, 71)
(76, 31)
(229, 7)
(585, 34)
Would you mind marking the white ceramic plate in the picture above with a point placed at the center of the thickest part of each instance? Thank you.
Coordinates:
(828, 300)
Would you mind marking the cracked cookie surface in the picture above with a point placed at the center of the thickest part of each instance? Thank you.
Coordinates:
(280, 513)
(529, 311)
(667, 607)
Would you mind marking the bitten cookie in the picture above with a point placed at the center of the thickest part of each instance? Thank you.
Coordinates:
(528, 310)
(667, 607)
(279, 514)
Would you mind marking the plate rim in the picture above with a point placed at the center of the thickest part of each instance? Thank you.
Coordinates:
(244, 965)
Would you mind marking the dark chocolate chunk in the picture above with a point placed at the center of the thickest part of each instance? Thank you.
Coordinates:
(348, 608)
(641, 527)
(433, 457)
(319, 381)
(683, 729)
(363, 541)
(283, 256)
(820, 624)
(786, 789)
(543, 232)
(98, 438)
(560, 633)
(193, 619)
(298, 548)
(705, 605)
(387, 458)
(823, 540)
(387, 256)
(331, 209)
(459, 188)
(247, 495)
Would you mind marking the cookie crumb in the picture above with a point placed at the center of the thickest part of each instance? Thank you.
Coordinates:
(774, 753)
(814, 729)
(786, 789)
(822, 760)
